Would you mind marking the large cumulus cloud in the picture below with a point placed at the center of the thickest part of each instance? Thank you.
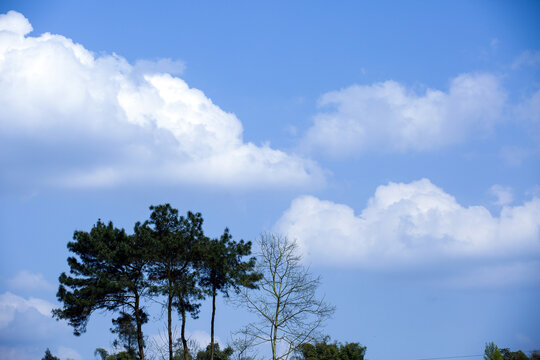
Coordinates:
(73, 118)
(410, 224)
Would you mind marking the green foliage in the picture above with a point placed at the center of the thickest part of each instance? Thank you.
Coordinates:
(107, 274)
(104, 355)
(222, 265)
(168, 255)
(223, 268)
(174, 259)
(492, 352)
(330, 351)
(179, 353)
(49, 356)
(124, 355)
(224, 354)
(175, 255)
(513, 355)
(125, 327)
(352, 351)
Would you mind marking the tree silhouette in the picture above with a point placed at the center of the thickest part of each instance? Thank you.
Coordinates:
(49, 356)
(223, 269)
(173, 267)
(107, 274)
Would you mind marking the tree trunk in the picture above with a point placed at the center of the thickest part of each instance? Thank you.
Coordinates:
(139, 328)
(184, 340)
(169, 325)
(212, 326)
(275, 326)
(169, 313)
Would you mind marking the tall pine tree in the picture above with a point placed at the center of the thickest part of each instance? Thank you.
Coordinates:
(223, 269)
(107, 273)
(173, 267)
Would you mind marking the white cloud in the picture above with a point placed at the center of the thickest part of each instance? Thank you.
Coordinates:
(28, 281)
(388, 117)
(27, 328)
(203, 338)
(11, 304)
(15, 23)
(410, 224)
(504, 194)
(72, 118)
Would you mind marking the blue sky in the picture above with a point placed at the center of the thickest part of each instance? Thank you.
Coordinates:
(398, 142)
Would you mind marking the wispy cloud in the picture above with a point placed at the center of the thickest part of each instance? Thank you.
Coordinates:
(25, 280)
(527, 58)
(513, 155)
(503, 194)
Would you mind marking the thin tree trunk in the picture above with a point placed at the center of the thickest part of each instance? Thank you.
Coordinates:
(169, 313)
(212, 327)
(274, 340)
(139, 328)
(169, 325)
(184, 340)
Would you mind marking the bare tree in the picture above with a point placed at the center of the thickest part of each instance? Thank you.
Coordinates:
(242, 344)
(286, 305)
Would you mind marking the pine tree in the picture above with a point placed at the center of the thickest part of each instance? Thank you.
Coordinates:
(173, 268)
(223, 269)
(49, 356)
(107, 274)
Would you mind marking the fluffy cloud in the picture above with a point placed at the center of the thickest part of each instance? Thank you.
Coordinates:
(27, 328)
(11, 304)
(76, 119)
(410, 224)
(15, 22)
(388, 117)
